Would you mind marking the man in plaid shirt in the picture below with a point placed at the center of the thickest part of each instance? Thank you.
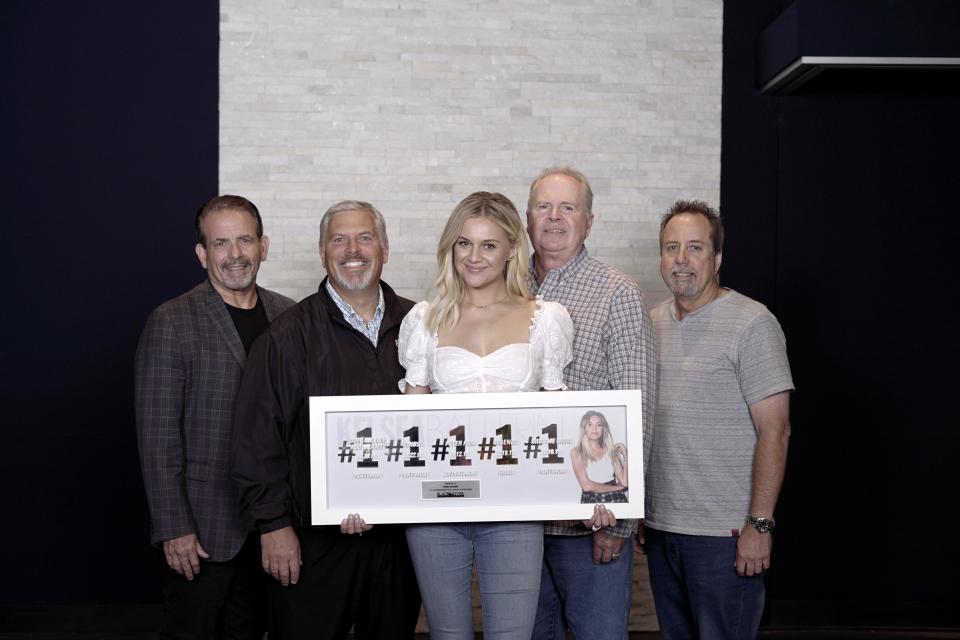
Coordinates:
(587, 571)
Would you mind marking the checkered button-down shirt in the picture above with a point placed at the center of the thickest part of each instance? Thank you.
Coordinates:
(613, 345)
(369, 329)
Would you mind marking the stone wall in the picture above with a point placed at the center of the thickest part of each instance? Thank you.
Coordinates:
(412, 105)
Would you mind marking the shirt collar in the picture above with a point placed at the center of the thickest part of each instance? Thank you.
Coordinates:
(722, 292)
(564, 272)
(347, 310)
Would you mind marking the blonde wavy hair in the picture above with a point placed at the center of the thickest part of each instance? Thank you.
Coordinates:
(584, 447)
(448, 289)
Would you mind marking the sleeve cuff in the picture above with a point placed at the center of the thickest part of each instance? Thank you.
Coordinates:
(624, 528)
(553, 384)
(416, 376)
(274, 525)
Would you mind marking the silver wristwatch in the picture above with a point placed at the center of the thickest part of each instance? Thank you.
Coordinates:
(761, 524)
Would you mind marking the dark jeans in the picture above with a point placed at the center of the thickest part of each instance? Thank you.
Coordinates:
(226, 600)
(697, 591)
(593, 600)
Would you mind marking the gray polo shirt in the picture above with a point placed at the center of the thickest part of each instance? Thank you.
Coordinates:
(712, 365)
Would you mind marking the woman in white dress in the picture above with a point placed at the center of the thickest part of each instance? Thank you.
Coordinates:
(482, 331)
(599, 465)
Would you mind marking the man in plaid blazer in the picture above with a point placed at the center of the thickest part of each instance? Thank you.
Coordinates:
(189, 363)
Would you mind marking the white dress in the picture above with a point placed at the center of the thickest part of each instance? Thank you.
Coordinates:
(521, 366)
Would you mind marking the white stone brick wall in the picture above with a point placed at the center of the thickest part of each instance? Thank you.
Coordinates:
(414, 104)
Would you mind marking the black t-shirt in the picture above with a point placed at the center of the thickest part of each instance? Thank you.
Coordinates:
(249, 323)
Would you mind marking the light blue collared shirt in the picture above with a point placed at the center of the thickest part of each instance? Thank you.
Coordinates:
(369, 329)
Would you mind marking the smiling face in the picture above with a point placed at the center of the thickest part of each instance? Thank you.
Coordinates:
(557, 220)
(232, 252)
(688, 263)
(481, 253)
(352, 252)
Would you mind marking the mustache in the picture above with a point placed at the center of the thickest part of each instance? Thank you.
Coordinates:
(353, 257)
(242, 262)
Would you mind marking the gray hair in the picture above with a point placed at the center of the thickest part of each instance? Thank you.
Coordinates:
(565, 170)
(355, 205)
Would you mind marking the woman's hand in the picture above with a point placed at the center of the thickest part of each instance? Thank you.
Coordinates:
(354, 524)
(602, 517)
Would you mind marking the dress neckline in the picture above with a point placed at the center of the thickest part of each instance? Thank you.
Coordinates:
(477, 355)
(538, 307)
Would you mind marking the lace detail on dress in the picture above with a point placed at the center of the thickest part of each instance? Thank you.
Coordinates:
(413, 347)
(552, 336)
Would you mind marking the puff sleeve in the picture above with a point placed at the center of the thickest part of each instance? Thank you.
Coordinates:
(413, 346)
(553, 339)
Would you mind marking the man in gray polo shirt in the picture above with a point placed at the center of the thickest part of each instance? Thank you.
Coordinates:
(718, 452)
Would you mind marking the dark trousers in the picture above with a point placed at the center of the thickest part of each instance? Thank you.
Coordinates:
(225, 601)
(362, 581)
(696, 589)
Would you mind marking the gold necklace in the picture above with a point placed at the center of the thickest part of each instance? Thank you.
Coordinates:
(490, 304)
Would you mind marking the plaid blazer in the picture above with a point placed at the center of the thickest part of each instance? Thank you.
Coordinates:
(188, 368)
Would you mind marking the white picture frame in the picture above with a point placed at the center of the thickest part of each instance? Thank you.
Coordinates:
(364, 459)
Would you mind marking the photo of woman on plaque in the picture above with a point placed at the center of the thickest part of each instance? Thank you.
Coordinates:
(481, 331)
(599, 465)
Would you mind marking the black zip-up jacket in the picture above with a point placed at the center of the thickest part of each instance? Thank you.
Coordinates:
(309, 350)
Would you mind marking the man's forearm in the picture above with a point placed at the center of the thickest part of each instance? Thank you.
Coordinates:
(771, 417)
(768, 467)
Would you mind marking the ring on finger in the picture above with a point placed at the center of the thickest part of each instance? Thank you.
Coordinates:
(595, 528)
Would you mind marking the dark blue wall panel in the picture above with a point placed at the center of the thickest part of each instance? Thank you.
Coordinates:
(838, 204)
(109, 113)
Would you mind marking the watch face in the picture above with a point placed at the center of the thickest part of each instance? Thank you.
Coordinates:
(763, 525)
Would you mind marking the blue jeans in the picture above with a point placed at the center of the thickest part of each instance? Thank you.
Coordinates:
(696, 589)
(508, 557)
(592, 599)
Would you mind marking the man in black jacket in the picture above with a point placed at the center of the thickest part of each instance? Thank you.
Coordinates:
(341, 340)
